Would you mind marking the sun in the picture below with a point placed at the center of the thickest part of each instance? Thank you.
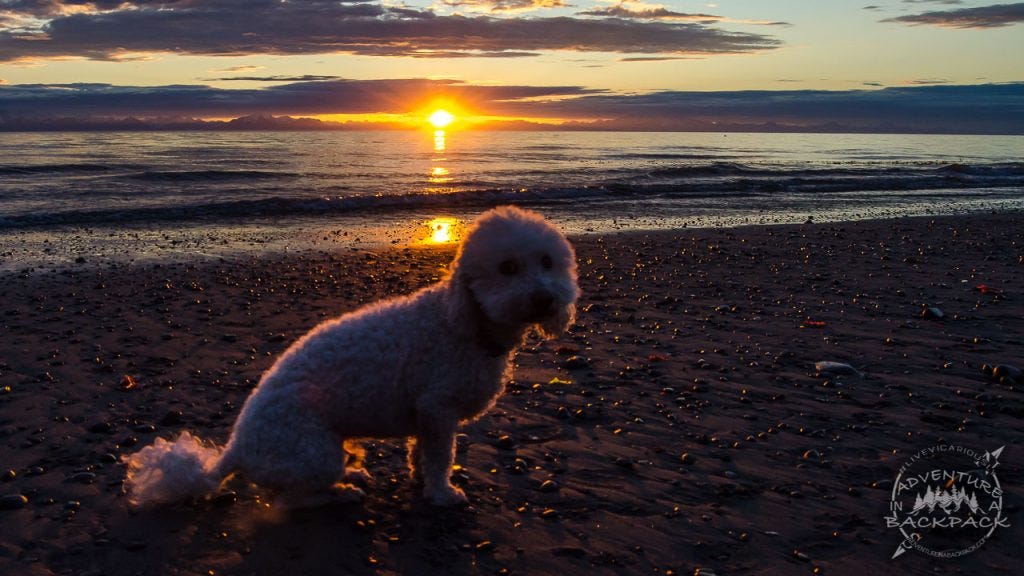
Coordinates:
(440, 118)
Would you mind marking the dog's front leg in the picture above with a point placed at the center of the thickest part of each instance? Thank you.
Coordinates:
(435, 442)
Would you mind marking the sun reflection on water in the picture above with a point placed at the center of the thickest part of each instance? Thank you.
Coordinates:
(439, 141)
(442, 230)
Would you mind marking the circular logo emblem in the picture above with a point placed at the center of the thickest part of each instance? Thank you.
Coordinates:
(947, 501)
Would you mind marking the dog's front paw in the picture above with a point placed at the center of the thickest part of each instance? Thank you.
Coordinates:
(445, 496)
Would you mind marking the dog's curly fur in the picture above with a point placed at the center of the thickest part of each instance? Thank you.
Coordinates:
(415, 366)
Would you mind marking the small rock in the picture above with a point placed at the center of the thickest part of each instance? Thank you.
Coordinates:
(549, 514)
(72, 505)
(12, 502)
(8, 475)
(730, 474)
(84, 478)
(485, 546)
(829, 368)
(506, 442)
(1010, 373)
(812, 454)
(127, 383)
(224, 499)
(576, 362)
(932, 312)
(687, 458)
(101, 428)
(549, 486)
(108, 458)
(172, 418)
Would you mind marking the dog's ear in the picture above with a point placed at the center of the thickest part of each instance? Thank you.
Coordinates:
(459, 306)
(558, 323)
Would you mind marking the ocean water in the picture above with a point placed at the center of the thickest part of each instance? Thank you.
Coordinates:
(133, 195)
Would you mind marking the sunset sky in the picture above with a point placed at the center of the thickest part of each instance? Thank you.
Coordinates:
(680, 62)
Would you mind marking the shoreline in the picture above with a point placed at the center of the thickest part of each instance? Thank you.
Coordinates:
(696, 341)
(71, 247)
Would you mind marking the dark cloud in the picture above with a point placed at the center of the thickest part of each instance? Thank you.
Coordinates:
(324, 97)
(303, 78)
(928, 81)
(237, 27)
(986, 108)
(981, 17)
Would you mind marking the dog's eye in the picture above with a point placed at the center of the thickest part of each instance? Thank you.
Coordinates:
(508, 267)
(545, 261)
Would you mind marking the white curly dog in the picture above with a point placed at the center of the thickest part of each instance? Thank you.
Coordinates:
(410, 367)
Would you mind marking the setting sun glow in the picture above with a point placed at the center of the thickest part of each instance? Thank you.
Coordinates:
(440, 118)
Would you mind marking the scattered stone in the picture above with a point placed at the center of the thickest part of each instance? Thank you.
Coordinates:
(172, 418)
(576, 362)
(506, 442)
(549, 514)
(127, 383)
(101, 428)
(812, 454)
(730, 474)
(224, 499)
(932, 312)
(8, 475)
(687, 458)
(12, 502)
(84, 478)
(1008, 373)
(829, 368)
(485, 546)
(108, 458)
(549, 486)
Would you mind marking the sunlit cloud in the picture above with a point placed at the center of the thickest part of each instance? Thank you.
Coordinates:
(507, 6)
(109, 30)
(981, 17)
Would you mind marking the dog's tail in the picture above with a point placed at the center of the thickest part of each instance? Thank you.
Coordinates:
(168, 472)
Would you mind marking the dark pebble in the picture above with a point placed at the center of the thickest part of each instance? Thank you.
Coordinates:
(72, 505)
(506, 441)
(485, 546)
(687, 458)
(8, 475)
(172, 418)
(224, 499)
(128, 442)
(549, 514)
(549, 486)
(12, 502)
(730, 474)
(576, 362)
(108, 458)
(101, 428)
(84, 478)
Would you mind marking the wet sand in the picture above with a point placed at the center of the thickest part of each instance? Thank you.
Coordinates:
(681, 421)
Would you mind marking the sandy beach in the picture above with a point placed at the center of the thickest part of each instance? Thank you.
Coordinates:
(681, 423)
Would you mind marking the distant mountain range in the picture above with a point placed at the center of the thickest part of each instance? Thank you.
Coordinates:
(269, 122)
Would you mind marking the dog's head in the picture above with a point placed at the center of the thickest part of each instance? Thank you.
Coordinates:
(517, 270)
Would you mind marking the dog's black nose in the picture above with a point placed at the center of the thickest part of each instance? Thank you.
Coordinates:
(542, 300)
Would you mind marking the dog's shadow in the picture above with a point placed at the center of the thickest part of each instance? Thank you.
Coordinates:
(393, 529)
